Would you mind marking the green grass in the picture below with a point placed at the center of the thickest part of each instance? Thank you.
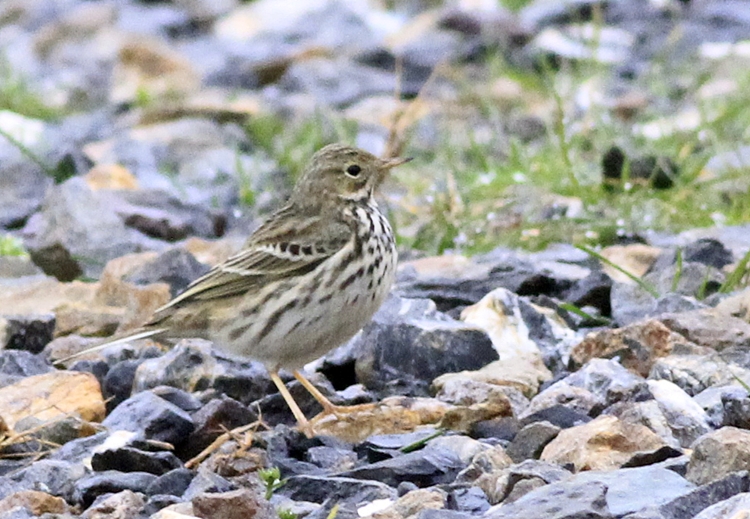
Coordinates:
(506, 186)
(271, 478)
(477, 186)
(11, 246)
(17, 96)
(292, 144)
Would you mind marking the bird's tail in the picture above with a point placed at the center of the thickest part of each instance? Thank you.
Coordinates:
(138, 334)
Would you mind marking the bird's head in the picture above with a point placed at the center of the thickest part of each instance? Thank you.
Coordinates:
(338, 171)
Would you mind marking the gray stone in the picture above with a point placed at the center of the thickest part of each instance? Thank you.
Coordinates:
(712, 400)
(685, 417)
(426, 467)
(431, 513)
(694, 373)
(14, 267)
(218, 415)
(182, 399)
(675, 303)
(531, 440)
(734, 506)
(501, 268)
(152, 417)
(564, 500)
(174, 483)
(160, 215)
(76, 233)
(705, 496)
(130, 459)
(632, 489)
(31, 332)
(176, 267)
(693, 280)
(333, 459)
(23, 185)
(608, 380)
(78, 451)
(189, 366)
(54, 477)
(718, 454)
(560, 416)
(117, 385)
(647, 413)
(707, 251)
(576, 398)
(472, 500)
(381, 442)
(206, 481)
(317, 489)
(547, 472)
(111, 482)
(709, 328)
(631, 303)
(336, 82)
(593, 290)
(16, 364)
(405, 347)
(736, 407)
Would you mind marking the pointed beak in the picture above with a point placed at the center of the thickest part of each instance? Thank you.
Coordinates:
(392, 163)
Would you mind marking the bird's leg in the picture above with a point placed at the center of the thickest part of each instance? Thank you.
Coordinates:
(304, 425)
(328, 407)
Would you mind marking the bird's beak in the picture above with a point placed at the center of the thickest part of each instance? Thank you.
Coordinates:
(397, 161)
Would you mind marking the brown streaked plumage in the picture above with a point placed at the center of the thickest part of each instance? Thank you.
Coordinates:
(306, 280)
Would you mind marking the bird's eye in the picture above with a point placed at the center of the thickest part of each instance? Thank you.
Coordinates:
(353, 171)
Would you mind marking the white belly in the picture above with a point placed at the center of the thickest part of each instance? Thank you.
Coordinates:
(330, 308)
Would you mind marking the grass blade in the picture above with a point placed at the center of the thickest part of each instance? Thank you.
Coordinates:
(645, 285)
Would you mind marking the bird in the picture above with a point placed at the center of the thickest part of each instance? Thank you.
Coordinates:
(306, 280)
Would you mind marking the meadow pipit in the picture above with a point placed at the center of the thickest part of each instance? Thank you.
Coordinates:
(306, 280)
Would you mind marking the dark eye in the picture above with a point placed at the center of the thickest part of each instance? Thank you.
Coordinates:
(353, 170)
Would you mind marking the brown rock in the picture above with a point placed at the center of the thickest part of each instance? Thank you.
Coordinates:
(110, 176)
(637, 345)
(138, 302)
(176, 511)
(709, 328)
(694, 373)
(78, 24)
(236, 504)
(409, 505)
(93, 309)
(77, 317)
(122, 505)
(491, 461)
(524, 374)
(37, 503)
(719, 453)
(40, 295)
(213, 252)
(64, 347)
(115, 304)
(605, 443)
(474, 401)
(635, 258)
(737, 305)
(52, 396)
(151, 66)
(499, 313)
(448, 265)
(390, 416)
(215, 103)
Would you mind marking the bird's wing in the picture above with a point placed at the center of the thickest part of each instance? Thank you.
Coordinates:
(283, 247)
